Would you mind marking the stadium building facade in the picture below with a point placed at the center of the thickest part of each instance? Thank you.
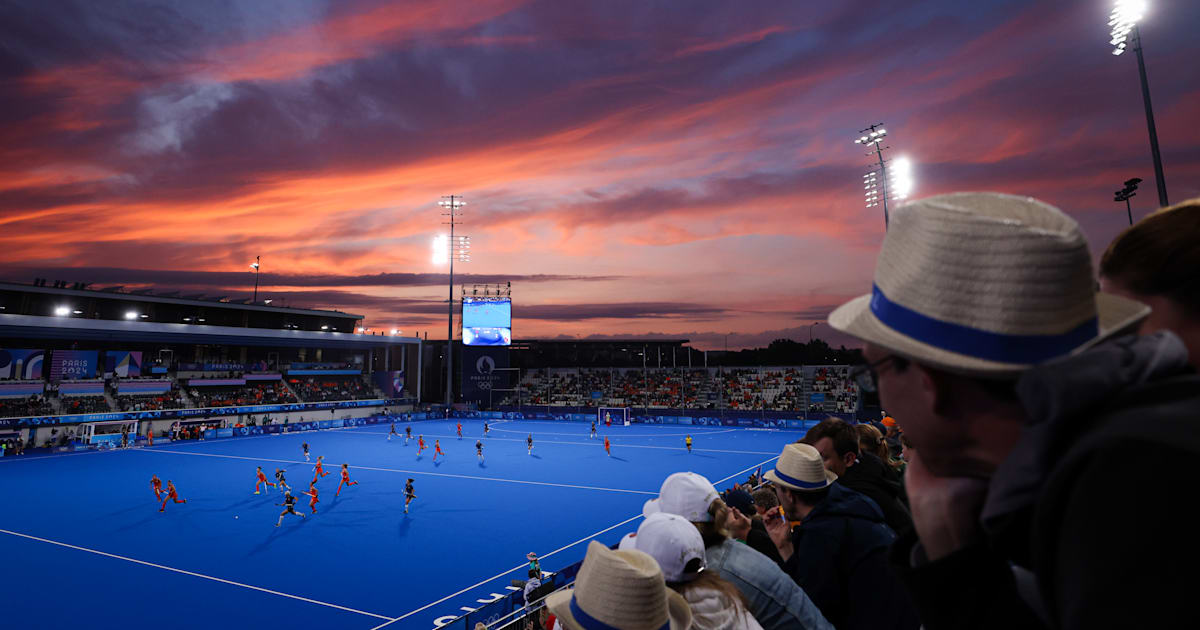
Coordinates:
(72, 355)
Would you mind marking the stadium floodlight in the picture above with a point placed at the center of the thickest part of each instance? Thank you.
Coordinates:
(62, 311)
(324, 327)
(877, 180)
(441, 249)
(1126, 193)
(1124, 23)
(1123, 19)
(131, 315)
(902, 178)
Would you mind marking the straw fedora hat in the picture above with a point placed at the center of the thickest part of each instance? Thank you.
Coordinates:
(800, 468)
(986, 284)
(621, 590)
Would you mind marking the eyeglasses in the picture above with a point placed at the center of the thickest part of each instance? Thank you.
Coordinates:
(867, 377)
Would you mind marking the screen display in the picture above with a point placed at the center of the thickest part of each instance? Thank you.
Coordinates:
(487, 313)
(490, 336)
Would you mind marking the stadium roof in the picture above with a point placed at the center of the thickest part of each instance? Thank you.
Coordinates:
(173, 297)
(37, 327)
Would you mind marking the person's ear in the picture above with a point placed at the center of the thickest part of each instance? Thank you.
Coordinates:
(933, 390)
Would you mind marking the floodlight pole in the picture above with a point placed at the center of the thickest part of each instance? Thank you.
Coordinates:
(1159, 179)
(454, 202)
(257, 271)
(882, 182)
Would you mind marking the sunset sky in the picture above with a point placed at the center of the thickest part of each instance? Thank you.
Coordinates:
(682, 169)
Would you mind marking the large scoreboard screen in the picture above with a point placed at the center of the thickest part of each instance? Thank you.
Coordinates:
(487, 322)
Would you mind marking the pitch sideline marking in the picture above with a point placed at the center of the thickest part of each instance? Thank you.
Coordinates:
(191, 573)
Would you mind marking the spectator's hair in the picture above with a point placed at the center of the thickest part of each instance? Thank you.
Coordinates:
(765, 498)
(840, 432)
(871, 441)
(710, 581)
(905, 442)
(1159, 256)
(713, 532)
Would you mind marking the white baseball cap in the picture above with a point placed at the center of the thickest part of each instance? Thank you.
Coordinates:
(628, 541)
(687, 494)
(673, 542)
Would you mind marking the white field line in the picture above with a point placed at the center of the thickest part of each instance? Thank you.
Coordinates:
(563, 548)
(697, 433)
(192, 573)
(411, 472)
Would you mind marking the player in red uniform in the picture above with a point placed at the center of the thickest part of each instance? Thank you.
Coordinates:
(261, 480)
(156, 485)
(607, 446)
(171, 495)
(345, 479)
(420, 444)
(312, 492)
(319, 471)
(150, 436)
(437, 450)
(460, 430)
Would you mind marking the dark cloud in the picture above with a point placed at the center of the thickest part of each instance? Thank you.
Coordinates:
(627, 310)
(166, 279)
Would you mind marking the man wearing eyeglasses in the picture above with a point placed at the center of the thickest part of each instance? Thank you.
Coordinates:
(1053, 450)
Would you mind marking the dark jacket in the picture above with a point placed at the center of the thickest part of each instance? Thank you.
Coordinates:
(882, 485)
(840, 559)
(1084, 518)
(760, 541)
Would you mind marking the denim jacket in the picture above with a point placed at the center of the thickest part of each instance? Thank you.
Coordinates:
(775, 600)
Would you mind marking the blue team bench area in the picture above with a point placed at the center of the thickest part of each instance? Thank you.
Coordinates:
(691, 417)
(201, 412)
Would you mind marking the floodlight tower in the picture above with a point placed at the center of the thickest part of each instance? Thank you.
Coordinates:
(1124, 23)
(456, 246)
(875, 178)
(1130, 190)
(256, 266)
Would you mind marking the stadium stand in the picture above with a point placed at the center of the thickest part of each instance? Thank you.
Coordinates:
(815, 388)
(20, 407)
(249, 394)
(325, 388)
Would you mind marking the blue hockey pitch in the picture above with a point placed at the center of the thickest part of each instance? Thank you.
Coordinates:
(84, 544)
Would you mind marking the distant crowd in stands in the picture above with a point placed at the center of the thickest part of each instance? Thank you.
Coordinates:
(35, 405)
(172, 399)
(754, 389)
(266, 393)
(83, 404)
(322, 389)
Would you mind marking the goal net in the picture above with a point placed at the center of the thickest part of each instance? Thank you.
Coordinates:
(612, 415)
(110, 434)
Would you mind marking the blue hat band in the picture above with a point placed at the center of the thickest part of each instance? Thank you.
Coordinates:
(811, 485)
(973, 342)
(591, 623)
